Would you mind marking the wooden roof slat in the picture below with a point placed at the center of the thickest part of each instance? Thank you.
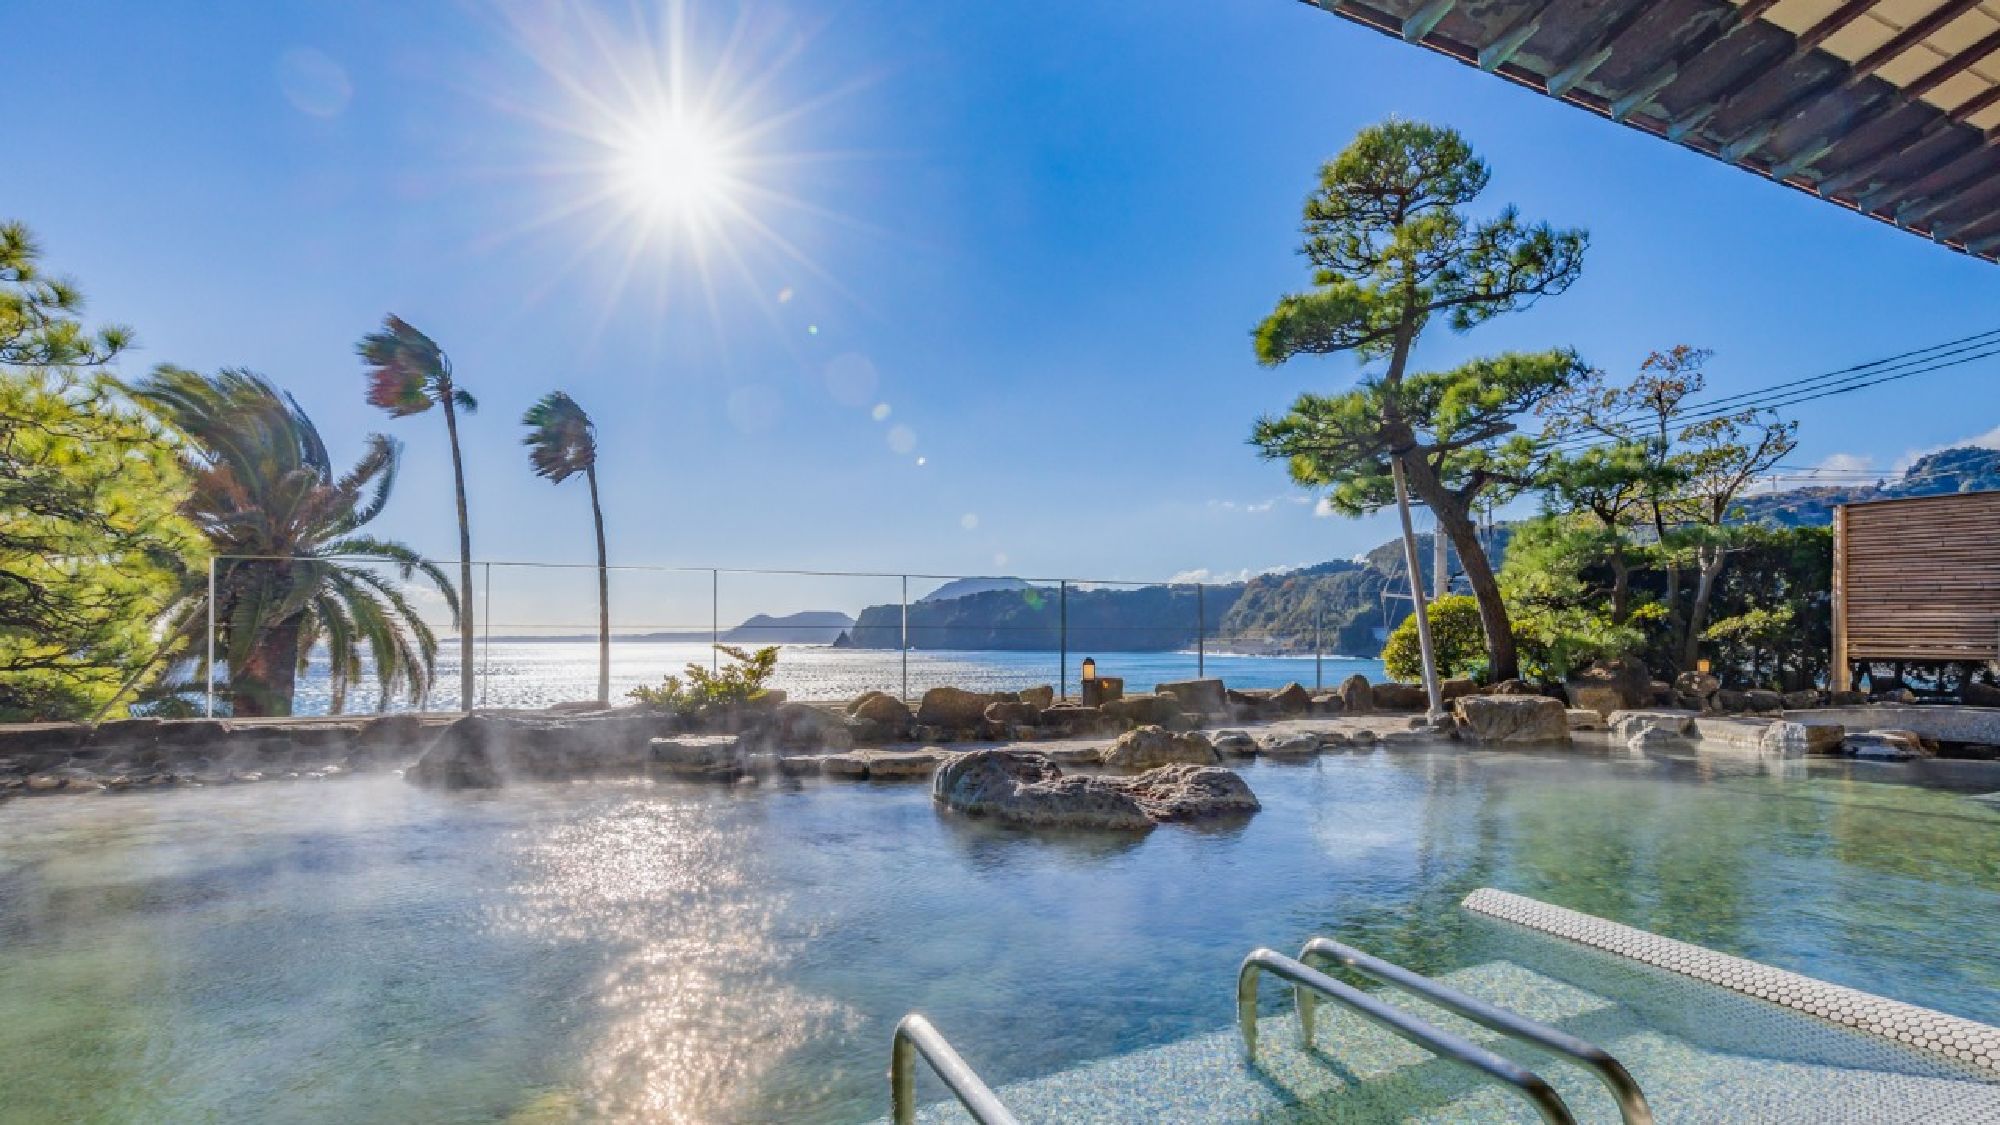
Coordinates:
(1953, 67)
(1909, 37)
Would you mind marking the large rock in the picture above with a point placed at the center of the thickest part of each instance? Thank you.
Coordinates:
(1496, 720)
(879, 765)
(1041, 696)
(881, 707)
(1629, 724)
(1584, 719)
(1186, 792)
(1885, 745)
(1764, 702)
(1976, 694)
(1143, 709)
(1457, 689)
(1029, 789)
(1795, 740)
(481, 751)
(1024, 788)
(716, 757)
(1013, 714)
(1237, 742)
(1072, 718)
(1401, 697)
(1150, 746)
(802, 726)
(1293, 699)
(1203, 697)
(1693, 690)
(1293, 744)
(1802, 700)
(1357, 697)
(954, 707)
(1611, 685)
(1513, 687)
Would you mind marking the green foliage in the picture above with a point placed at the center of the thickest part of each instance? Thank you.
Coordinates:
(407, 372)
(1456, 634)
(1392, 249)
(287, 532)
(737, 682)
(1558, 589)
(1774, 609)
(561, 438)
(92, 549)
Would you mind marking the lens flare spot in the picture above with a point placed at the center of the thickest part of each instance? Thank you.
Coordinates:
(969, 521)
(880, 413)
(902, 439)
(851, 379)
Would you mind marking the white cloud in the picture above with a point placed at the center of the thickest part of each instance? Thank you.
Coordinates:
(1222, 577)
(1845, 463)
(1323, 508)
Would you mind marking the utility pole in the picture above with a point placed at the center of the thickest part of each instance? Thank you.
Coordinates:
(1417, 605)
(1440, 567)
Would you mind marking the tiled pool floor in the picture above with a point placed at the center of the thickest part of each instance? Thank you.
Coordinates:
(1700, 1053)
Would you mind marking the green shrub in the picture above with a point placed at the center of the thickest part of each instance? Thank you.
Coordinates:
(1455, 631)
(739, 681)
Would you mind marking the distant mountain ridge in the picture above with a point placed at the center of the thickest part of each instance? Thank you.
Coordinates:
(1961, 469)
(964, 587)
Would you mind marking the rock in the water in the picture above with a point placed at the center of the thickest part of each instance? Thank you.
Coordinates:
(717, 757)
(1075, 755)
(1511, 720)
(882, 764)
(1293, 699)
(1332, 740)
(1041, 696)
(1024, 788)
(1626, 724)
(1357, 697)
(953, 707)
(1290, 744)
(1235, 742)
(1186, 792)
(1793, 740)
(481, 751)
(1801, 700)
(1622, 684)
(1583, 719)
(1327, 703)
(799, 765)
(1203, 697)
(1653, 738)
(1885, 745)
(1151, 746)
(1401, 697)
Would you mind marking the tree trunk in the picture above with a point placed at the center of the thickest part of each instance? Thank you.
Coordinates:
(1455, 519)
(1712, 560)
(263, 685)
(465, 693)
(603, 593)
(1621, 587)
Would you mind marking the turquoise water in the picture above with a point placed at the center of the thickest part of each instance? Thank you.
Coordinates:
(360, 950)
(523, 673)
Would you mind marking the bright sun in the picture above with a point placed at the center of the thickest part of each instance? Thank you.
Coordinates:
(673, 168)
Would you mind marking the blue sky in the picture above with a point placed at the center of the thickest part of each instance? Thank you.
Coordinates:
(1038, 232)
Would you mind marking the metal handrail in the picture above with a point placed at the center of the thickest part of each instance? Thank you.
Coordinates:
(915, 1036)
(1530, 1086)
(1632, 1107)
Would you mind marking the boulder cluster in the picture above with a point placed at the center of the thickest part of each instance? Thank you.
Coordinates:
(1026, 788)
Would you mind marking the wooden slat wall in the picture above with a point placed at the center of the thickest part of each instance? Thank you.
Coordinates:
(1917, 579)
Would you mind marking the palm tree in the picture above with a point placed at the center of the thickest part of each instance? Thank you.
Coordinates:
(409, 374)
(264, 490)
(562, 441)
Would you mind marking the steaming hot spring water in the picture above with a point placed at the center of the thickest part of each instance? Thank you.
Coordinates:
(364, 950)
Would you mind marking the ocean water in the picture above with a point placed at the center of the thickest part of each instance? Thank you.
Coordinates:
(362, 950)
(537, 673)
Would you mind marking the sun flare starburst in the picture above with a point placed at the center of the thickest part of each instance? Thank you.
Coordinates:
(652, 167)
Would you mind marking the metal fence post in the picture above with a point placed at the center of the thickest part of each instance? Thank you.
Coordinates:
(904, 647)
(714, 620)
(210, 710)
(1062, 629)
(486, 641)
(1200, 634)
(1319, 675)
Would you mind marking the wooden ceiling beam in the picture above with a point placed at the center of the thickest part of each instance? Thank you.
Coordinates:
(1727, 98)
(1586, 61)
(1660, 77)
(1499, 52)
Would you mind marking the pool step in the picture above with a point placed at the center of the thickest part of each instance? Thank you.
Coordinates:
(1718, 1057)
